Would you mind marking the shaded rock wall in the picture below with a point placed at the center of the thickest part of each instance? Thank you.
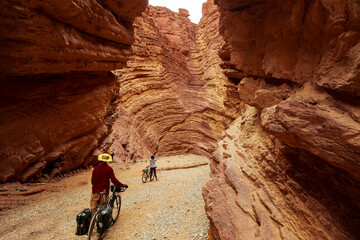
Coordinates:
(288, 168)
(174, 98)
(57, 123)
(56, 91)
(301, 41)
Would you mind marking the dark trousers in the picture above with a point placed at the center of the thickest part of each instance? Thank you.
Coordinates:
(153, 170)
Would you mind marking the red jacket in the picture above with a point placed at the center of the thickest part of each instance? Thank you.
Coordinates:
(101, 176)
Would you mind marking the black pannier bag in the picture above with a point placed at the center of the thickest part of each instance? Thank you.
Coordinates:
(105, 218)
(83, 221)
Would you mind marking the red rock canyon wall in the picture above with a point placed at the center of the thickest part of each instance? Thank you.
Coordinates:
(274, 102)
(174, 98)
(171, 99)
(288, 168)
(56, 91)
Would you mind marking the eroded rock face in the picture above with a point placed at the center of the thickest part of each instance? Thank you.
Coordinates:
(53, 36)
(59, 121)
(301, 41)
(174, 98)
(261, 188)
(288, 168)
(323, 132)
(285, 107)
(56, 92)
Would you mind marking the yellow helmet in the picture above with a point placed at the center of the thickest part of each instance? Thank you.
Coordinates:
(105, 157)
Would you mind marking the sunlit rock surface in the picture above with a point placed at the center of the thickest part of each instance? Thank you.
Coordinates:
(261, 188)
(174, 97)
(288, 168)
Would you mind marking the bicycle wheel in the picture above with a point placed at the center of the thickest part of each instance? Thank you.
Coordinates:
(116, 206)
(152, 176)
(93, 232)
(144, 177)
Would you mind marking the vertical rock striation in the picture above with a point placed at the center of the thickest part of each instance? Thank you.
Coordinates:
(288, 168)
(56, 91)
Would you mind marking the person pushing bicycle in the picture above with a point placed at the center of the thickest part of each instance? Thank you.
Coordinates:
(100, 180)
(153, 167)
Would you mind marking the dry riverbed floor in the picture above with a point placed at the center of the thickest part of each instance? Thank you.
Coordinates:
(171, 208)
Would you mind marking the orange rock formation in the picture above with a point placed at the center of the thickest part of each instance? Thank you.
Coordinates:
(174, 97)
(273, 102)
(56, 92)
(288, 168)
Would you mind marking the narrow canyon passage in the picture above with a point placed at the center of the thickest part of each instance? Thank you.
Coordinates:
(171, 208)
(267, 90)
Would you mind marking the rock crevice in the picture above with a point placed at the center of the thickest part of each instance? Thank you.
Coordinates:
(175, 94)
(272, 101)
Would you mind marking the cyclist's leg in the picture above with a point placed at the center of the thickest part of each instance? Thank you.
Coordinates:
(155, 173)
(94, 201)
(97, 199)
(104, 197)
(151, 172)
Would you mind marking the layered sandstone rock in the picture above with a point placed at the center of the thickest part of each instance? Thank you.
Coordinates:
(174, 98)
(288, 168)
(287, 163)
(57, 95)
(53, 36)
(301, 41)
(261, 188)
(57, 123)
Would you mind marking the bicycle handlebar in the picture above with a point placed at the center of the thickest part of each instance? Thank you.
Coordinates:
(116, 189)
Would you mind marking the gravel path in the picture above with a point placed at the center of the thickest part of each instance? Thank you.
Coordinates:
(171, 208)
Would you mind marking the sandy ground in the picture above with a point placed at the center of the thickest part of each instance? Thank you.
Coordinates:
(171, 208)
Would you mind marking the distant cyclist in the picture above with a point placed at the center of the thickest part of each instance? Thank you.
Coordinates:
(153, 167)
(100, 180)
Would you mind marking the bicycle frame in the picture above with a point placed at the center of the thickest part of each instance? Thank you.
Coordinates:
(108, 202)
